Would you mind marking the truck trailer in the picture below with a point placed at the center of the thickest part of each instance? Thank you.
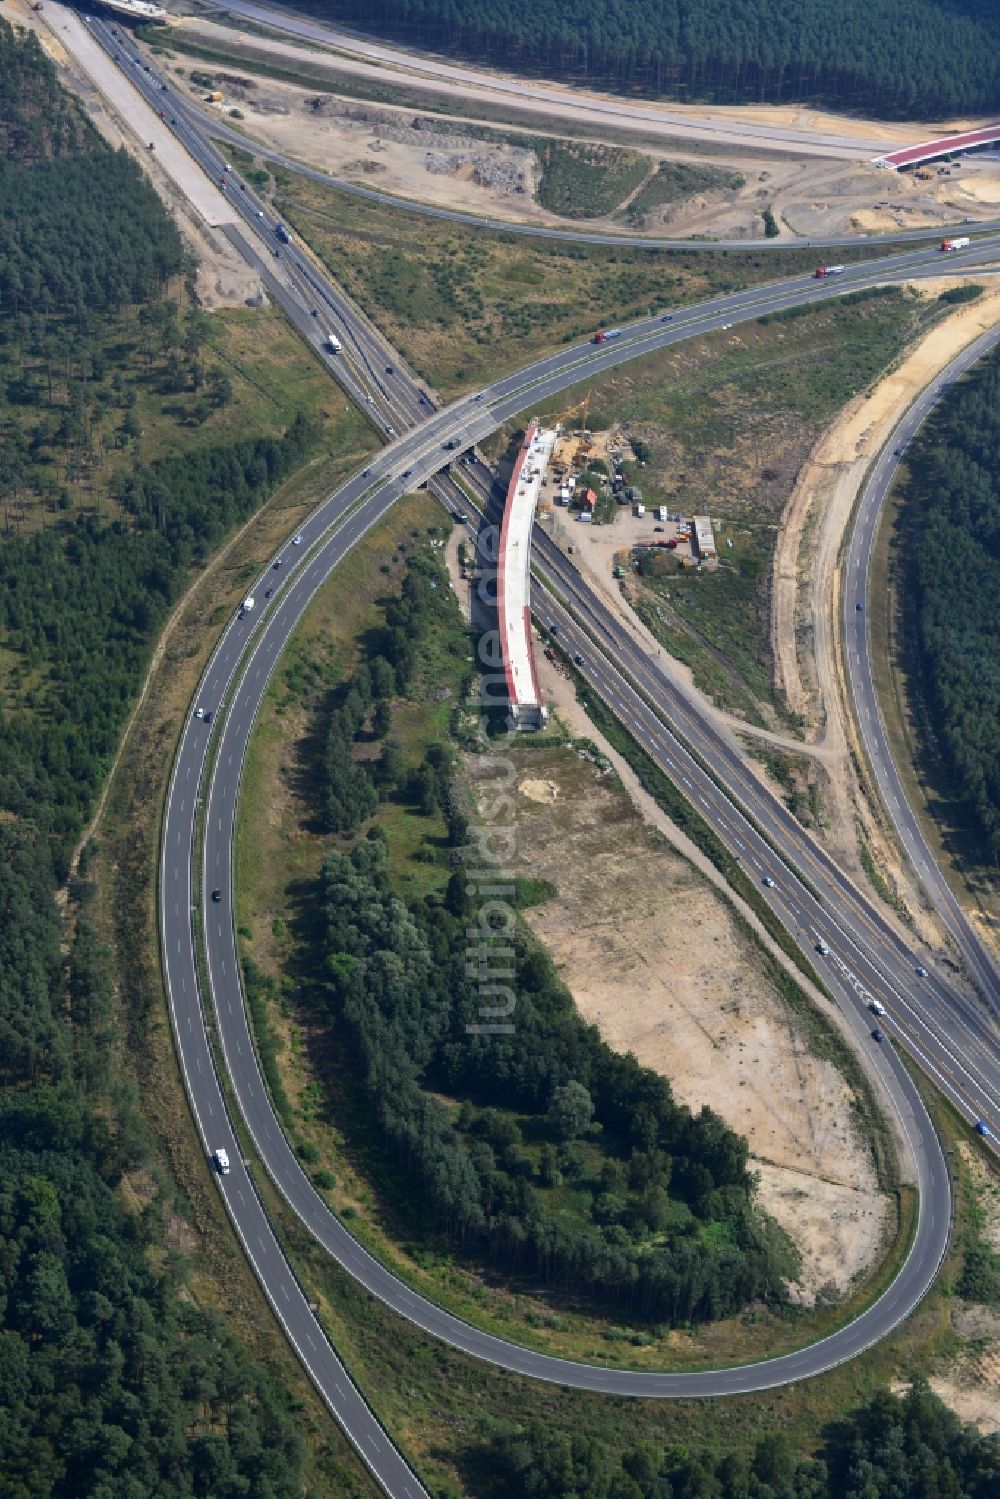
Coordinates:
(823, 271)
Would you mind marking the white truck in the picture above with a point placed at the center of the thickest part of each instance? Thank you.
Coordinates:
(961, 243)
(333, 343)
(247, 605)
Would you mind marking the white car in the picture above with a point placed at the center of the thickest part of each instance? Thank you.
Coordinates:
(220, 1160)
(768, 882)
(877, 1007)
(296, 541)
(199, 713)
(920, 972)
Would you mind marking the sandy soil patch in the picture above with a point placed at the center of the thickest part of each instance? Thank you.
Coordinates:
(779, 126)
(805, 596)
(970, 1384)
(653, 956)
(987, 1187)
(428, 159)
(595, 550)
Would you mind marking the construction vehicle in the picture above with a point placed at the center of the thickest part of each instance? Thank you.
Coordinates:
(961, 243)
(829, 270)
(215, 97)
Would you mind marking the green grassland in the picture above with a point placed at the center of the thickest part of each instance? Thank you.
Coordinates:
(728, 421)
(468, 305)
(442, 1406)
(674, 181)
(587, 182)
(87, 404)
(281, 847)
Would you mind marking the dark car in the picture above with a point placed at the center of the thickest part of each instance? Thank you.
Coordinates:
(388, 369)
(365, 472)
(423, 399)
(407, 472)
(667, 317)
(859, 608)
(268, 592)
(876, 1034)
(555, 630)
(216, 895)
(982, 1128)
(578, 659)
(208, 716)
(276, 565)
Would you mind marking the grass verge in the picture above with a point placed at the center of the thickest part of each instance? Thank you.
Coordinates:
(125, 851)
(280, 850)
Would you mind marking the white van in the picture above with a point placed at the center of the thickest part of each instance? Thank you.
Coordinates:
(220, 1159)
(877, 1007)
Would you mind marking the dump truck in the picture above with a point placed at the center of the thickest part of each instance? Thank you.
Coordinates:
(956, 244)
(829, 270)
(215, 97)
(603, 334)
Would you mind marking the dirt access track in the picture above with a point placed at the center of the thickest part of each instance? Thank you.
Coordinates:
(434, 159)
(806, 597)
(654, 957)
(798, 130)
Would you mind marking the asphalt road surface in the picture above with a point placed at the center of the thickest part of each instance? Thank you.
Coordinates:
(866, 958)
(417, 71)
(214, 124)
(858, 656)
(854, 973)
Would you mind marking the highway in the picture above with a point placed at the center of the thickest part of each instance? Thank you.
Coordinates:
(373, 58)
(211, 123)
(860, 673)
(939, 1024)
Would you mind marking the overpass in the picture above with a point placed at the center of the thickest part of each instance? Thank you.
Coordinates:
(514, 579)
(911, 156)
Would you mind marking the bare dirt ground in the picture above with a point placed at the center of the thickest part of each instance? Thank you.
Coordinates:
(970, 1383)
(595, 551)
(805, 589)
(653, 956)
(774, 127)
(429, 160)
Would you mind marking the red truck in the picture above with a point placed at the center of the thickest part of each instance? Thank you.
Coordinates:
(602, 335)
